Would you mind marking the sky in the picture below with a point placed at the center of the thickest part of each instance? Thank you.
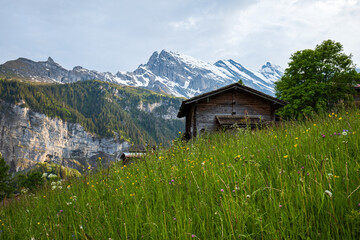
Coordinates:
(119, 35)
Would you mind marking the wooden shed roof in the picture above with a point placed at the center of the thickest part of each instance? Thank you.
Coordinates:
(186, 104)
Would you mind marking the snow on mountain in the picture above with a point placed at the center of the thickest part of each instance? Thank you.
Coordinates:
(168, 72)
(271, 72)
(185, 76)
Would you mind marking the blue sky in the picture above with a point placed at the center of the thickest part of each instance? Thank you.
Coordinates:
(119, 35)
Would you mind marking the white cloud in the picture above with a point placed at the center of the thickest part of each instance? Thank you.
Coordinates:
(273, 30)
(187, 24)
(120, 35)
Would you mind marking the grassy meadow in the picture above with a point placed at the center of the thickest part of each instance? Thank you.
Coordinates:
(297, 180)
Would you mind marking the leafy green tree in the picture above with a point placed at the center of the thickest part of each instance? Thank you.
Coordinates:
(33, 181)
(316, 80)
(5, 179)
(241, 82)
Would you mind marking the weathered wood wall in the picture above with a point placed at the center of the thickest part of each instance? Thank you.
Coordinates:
(228, 103)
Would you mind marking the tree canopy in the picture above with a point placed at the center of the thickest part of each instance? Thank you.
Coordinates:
(316, 80)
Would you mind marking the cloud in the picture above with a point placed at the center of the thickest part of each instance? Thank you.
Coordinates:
(120, 35)
(187, 24)
(269, 30)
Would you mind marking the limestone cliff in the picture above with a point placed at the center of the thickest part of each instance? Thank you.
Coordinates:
(28, 137)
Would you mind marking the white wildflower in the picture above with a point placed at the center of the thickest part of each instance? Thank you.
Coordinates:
(51, 175)
(247, 196)
(53, 187)
(44, 175)
(24, 190)
(328, 193)
(344, 133)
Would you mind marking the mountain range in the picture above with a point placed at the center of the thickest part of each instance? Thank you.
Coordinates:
(167, 72)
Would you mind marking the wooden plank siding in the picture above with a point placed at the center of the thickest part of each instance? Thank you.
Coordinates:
(204, 112)
(229, 103)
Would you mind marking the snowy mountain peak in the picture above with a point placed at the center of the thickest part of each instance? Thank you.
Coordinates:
(271, 72)
(169, 72)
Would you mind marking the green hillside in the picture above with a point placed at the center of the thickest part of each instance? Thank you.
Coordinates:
(298, 180)
(101, 108)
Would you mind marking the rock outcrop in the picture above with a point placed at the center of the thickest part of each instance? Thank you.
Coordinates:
(28, 137)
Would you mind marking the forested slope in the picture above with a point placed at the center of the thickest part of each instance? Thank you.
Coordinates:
(137, 115)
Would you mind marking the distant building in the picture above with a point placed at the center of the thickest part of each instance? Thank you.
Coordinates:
(129, 157)
(136, 152)
(227, 106)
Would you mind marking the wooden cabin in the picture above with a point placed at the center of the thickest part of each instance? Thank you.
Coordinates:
(234, 104)
(130, 157)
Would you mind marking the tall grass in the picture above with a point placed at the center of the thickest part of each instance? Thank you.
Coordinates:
(294, 181)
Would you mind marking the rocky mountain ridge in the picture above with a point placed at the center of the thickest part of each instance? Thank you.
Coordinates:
(167, 72)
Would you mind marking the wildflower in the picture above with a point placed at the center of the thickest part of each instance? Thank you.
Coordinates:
(344, 133)
(24, 190)
(193, 235)
(81, 227)
(340, 118)
(295, 145)
(51, 175)
(247, 196)
(174, 218)
(323, 135)
(328, 193)
(222, 190)
(280, 206)
(286, 156)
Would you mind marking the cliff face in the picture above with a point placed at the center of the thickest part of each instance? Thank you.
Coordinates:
(28, 137)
